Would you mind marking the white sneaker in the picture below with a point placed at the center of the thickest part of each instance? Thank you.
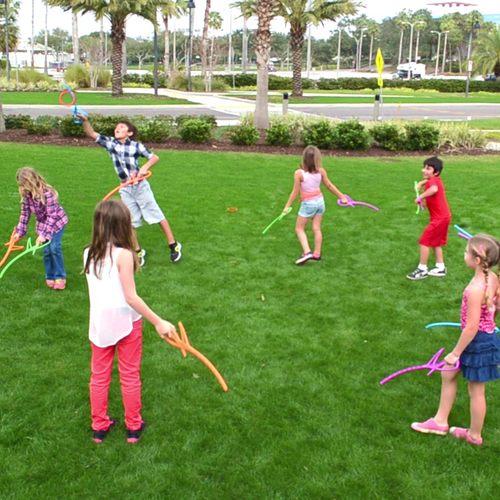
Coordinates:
(437, 272)
(418, 274)
(142, 257)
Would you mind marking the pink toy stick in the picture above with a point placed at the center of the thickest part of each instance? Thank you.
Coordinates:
(432, 365)
(420, 202)
(351, 203)
(464, 236)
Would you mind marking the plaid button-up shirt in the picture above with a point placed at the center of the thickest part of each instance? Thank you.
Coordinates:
(125, 156)
(50, 218)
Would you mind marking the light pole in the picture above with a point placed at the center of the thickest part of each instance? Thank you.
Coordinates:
(475, 26)
(411, 45)
(7, 62)
(155, 64)
(437, 55)
(338, 52)
(191, 6)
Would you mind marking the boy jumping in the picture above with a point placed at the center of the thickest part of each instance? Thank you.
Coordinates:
(139, 198)
(435, 235)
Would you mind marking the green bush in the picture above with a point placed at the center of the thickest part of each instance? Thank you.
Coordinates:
(39, 128)
(32, 76)
(244, 135)
(421, 136)
(389, 136)
(149, 79)
(352, 135)
(104, 78)
(71, 129)
(17, 121)
(77, 74)
(279, 134)
(219, 85)
(320, 134)
(153, 131)
(195, 131)
(210, 119)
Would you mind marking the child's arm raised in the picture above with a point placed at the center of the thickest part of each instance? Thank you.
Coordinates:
(298, 178)
(331, 187)
(125, 264)
(88, 127)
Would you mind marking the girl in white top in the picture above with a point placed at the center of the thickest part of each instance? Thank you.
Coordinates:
(308, 179)
(115, 318)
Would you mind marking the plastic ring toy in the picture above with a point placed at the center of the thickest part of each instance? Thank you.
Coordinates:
(61, 96)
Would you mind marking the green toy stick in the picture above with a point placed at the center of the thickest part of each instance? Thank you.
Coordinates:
(277, 219)
(420, 204)
(29, 249)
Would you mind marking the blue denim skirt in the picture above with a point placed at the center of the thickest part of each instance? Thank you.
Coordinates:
(479, 362)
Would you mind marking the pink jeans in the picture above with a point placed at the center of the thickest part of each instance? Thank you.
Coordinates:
(129, 364)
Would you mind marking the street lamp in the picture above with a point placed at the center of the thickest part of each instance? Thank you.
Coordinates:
(411, 44)
(439, 45)
(475, 26)
(190, 6)
(7, 62)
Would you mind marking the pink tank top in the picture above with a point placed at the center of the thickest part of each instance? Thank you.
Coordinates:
(309, 188)
(487, 318)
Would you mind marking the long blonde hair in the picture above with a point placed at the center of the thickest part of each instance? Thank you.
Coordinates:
(112, 226)
(487, 250)
(311, 160)
(31, 182)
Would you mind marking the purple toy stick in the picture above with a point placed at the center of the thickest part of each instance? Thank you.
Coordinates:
(432, 365)
(351, 203)
(464, 236)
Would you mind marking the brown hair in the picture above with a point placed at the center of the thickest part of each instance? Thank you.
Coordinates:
(311, 160)
(131, 128)
(112, 226)
(487, 250)
(31, 182)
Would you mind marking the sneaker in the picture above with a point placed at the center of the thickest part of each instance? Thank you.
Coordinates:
(437, 272)
(59, 284)
(134, 436)
(418, 274)
(316, 257)
(461, 433)
(98, 436)
(175, 252)
(305, 257)
(50, 283)
(430, 427)
(141, 255)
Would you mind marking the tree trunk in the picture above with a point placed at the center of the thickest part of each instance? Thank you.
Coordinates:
(124, 50)
(444, 53)
(265, 10)
(101, 43)
(204, 40)
(297, 42)
(244, 54)
(166, 54)
(371, 55)
(76, 44)
(400, 47)
(416, 50)
(2, 120)
(117, 41)
(46, 41)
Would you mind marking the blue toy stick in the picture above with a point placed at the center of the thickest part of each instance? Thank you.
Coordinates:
(457, 325)
(29, 249)
(77, 111)
(463, 231)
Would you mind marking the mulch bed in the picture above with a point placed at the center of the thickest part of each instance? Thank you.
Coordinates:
(56, 139)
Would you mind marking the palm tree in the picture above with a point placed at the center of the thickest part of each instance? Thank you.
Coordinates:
(419, 27)
(447, 25)
(204, 38)
(266, 10)
(299, 14)
(372, 30)
(361, 24)
(169, 9)
(117, 12)
(214, 23)
(248, 8)
(402, 18)
(76, 46)
(486, 55)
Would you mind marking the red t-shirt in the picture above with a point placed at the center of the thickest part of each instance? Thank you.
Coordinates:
(437, 204)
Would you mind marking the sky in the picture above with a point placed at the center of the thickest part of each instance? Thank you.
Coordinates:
(374, 9)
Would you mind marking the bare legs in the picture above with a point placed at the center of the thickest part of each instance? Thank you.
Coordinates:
(301, 233)
(165, 228)
(448, 393)
(424, 255)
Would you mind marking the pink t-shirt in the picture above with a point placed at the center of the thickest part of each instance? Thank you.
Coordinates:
(487, 318)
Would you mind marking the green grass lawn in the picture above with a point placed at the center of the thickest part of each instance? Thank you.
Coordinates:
(302, 348)
(390, 96)
(89, 99)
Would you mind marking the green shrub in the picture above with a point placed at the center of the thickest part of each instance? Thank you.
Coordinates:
(244, 135)
(32, 76)
(104, 78)
(352, 135)
(389, 136)
(78, 74)
(421, 136)
(279, 134)
(195, 131)
(149, 79)
(320, 134)
(181, 119)
(71, 129)
(153, 131)
(210, 119)
(219, 85)
(17, 121)
(38, 128)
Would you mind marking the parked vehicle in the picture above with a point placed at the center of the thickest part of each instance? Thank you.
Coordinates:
(490, 78)
(414, 70)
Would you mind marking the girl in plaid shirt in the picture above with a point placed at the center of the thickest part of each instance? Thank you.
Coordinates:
(40, 198)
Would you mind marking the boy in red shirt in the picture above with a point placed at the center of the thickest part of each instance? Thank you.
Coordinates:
(435, 235)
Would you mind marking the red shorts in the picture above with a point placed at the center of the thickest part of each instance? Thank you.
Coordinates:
(436, 233)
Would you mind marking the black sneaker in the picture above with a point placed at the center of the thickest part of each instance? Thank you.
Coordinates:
(134, 436)
(175, 252)
(99, 436)
(141, 255)
(437, 272)
(418, 274)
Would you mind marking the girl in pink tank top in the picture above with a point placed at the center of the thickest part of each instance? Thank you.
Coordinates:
(478, 347)
(308, 179)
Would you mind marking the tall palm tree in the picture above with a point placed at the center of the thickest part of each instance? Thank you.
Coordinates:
(214, 23)
(76, 45)
(299, 14)
(117, 12)
(266, 10)
(486, 55)
(419, 27)
(372, 30)
(204, 38)
(401, 18)
(248, 8)
(447, 25)
(170, 9)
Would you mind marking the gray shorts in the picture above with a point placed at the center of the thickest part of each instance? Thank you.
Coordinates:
(141, 202)
(311, 208)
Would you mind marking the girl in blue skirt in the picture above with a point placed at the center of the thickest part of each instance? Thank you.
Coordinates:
(478, 348)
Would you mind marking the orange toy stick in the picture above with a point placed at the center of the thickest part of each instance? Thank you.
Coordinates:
(179, 341)
(132, 180)
(12, 247)
(186, 346)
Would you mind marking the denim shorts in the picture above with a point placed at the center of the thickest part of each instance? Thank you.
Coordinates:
(311, 208)
(141, 202)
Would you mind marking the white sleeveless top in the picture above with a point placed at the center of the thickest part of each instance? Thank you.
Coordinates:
(111, 317)
(309, 187)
